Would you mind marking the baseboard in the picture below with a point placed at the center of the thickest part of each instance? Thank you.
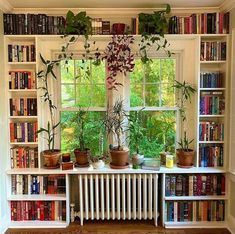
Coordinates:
(231, 224)
(4, 225)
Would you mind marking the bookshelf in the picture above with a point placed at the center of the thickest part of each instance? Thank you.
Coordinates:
(204, 66)
(23, 157)
(188, 208)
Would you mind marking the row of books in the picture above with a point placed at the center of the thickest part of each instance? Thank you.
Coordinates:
(195, 185)
(22, 80)
(211, 131)
(24, 157)
(34, 184)
(33, 24)
(185, 211)
(23, 106)
(23, 132)
(211, 156)
(38, 210)
(205, 23)
(21, 53)
(212, 103)
(211, 80)
(213, 51)
(100, 27)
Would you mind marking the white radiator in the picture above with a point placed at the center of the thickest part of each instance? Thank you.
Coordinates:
(118, 196)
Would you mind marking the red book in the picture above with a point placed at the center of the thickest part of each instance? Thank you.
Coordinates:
(12, 135)
(42, 218)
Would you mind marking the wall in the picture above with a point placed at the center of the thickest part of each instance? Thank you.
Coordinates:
(232, 18)
(3, 120)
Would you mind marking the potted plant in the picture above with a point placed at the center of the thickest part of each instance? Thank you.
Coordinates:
(153, 28)
(135, 137)
(51, 155)
(115, 123)
(82, 153)
(185, 155)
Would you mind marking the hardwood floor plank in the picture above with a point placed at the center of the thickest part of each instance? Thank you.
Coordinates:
(116, 227)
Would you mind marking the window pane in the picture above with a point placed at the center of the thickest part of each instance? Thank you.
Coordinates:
(152, 95)
(67, 72)
(159, 132)
(98, 95)
(83, 71)
(90, 84)
(137, 95)
(67, 95)
(168, 95)
(70, 131)
(137, 75)
(98, 74)
(153, 71)
(168, 70)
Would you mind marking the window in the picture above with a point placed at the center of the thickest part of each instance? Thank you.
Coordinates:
(150, 88)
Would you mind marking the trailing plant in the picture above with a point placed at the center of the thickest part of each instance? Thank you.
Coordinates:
(44, 76)
(153, 28)
(119, 58)
(115, 122)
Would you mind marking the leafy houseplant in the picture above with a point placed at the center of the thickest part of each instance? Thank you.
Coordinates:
(81, 153)
(184, 154)
(115, 124)
(153, 28)
(52, 155)
(136, 136)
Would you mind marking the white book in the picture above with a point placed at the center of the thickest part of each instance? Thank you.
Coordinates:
(175, 211)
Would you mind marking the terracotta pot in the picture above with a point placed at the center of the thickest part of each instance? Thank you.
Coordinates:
(119, 157)
(118, 28)
(82, 156)
(51, 158)
(185, 158)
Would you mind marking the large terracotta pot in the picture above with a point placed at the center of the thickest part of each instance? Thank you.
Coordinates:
(185, 158)
(51, 158)
(119, 157)
(82, 156)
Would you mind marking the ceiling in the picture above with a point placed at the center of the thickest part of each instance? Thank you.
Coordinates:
(112, 3)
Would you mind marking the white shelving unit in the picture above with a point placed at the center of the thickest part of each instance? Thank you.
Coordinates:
(203, 66)
(29, 93)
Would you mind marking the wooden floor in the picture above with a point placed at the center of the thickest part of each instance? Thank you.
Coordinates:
(116, 227)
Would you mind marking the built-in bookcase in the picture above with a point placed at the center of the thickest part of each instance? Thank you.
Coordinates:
(37, 197)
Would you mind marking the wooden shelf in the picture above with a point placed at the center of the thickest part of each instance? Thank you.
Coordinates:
(211, 142)
(38, 224)
(198, 224)
(211, 116)
(192, 198)
(23, 90)
(38, 197)
(23, 143)
(211, 89)
(213, 62)
(23, 117)
(22, 63)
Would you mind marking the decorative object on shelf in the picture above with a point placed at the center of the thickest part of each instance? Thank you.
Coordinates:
(153, 28)
(52, 155)
(66, 157)
(115, 124)
(118, 28)
(185, 155)
(151, 164)
(169, 161)
(97, 163)
(119, 57)
(67, 165)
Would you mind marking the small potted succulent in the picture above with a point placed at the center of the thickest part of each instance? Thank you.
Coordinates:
(115, 124)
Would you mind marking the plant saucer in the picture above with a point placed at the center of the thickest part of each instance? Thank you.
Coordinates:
(182, 166)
